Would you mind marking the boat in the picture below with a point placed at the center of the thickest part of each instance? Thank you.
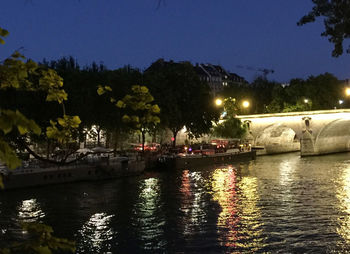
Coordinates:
(187, 161)
(195, 160)
(98, 169)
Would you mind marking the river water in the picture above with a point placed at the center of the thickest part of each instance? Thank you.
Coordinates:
(275, 204)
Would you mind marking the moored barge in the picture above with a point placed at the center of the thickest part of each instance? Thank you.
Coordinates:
(100, 170)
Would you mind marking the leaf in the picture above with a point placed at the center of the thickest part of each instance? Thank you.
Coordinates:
(126, 118)
(144, 89)
(100, 90)
(61, 121)
(3, 32)
(8, 155)
(120, 104)
(108, 88)
(22, 129)
(155, 109)
(75, 122)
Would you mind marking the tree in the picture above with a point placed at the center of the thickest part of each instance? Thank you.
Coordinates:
(336, 21)
(185, 101)
(230, 126)
(140, 114)
(262, 91)
(17, 75)
(324, 91)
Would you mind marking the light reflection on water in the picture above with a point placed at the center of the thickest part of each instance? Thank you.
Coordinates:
(147, 216)
(276, 204)
(224, 192)
(343, 194)
(30, 211)
(192, 202)
(96, 234)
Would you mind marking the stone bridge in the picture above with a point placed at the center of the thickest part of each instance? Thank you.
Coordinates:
(311, 132)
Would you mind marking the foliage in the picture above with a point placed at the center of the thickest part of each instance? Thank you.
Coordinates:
(40, 240)
(140, 113)
(143, 113)
(323, 91)
(63, 129)
(262, 93)
(301, 105)
(230, 128)
(336, 21)
(230, 106)
(185, 101)
(19, 75)
(3, 34)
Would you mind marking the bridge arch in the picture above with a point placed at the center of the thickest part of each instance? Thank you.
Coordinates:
(333, 137)
(278, 138)
(319, 132)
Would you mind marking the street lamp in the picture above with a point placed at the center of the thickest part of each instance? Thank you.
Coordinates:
(306, 100)
(245, 104)
(347, 91)
(218, 102)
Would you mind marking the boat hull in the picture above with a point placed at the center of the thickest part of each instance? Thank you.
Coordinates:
(48, 176)
(222, 158)
(195, 161)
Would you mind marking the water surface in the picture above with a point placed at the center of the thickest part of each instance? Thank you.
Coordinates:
(274, 204)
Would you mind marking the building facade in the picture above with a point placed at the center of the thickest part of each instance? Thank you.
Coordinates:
(217, 77)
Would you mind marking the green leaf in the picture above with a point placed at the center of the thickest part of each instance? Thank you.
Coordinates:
(3, 32)
(8, 155)
(108, 88)
(120, 104)
(100, 90)
(22, 129)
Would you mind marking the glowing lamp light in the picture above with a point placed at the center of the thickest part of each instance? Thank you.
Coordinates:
(218, 102)
(347, 91)
(245, 104)
(306, 101)
(172, 139)
(341, 102)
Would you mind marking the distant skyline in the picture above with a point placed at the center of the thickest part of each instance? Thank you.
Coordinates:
(252, 33)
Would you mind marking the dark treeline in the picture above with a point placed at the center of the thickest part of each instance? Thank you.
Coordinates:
(183, 99)
(320, 92)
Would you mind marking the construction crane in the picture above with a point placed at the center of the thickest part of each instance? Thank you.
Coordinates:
(264, 71)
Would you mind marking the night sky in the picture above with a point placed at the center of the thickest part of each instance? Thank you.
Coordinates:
(255, 33)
